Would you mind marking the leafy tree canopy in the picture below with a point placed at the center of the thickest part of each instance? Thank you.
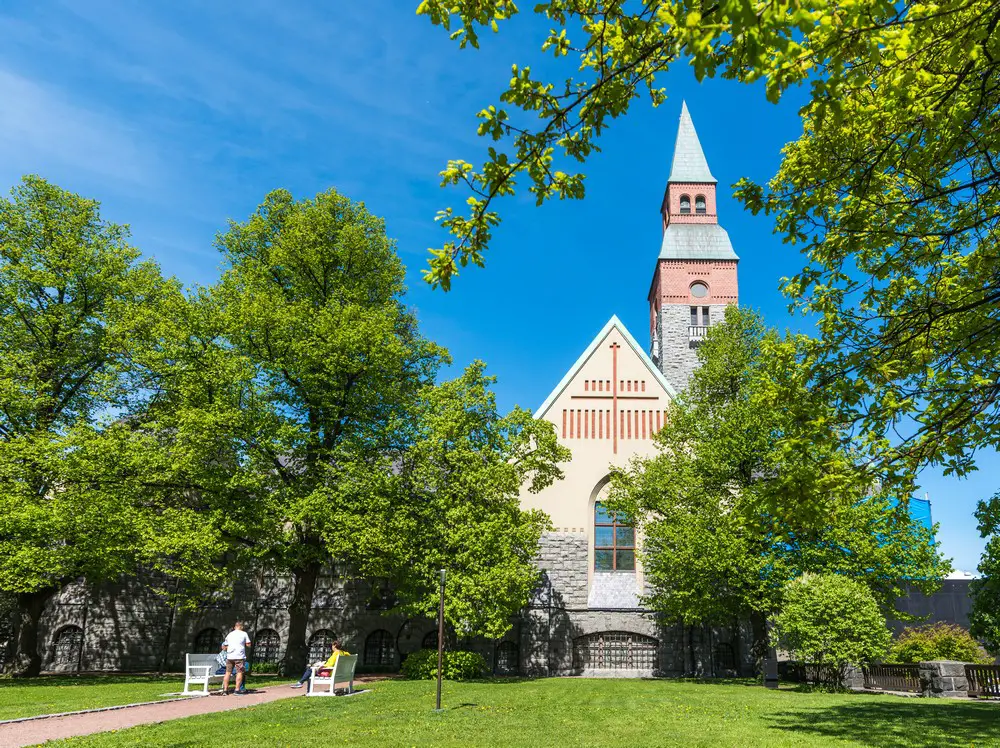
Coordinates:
(76, 308)
(891, 192)
(985, 614)
(307, 429)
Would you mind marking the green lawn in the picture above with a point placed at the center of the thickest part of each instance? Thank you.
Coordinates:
(577, 712)
(69, 693)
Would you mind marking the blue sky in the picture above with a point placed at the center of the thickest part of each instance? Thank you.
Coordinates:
(181, 115)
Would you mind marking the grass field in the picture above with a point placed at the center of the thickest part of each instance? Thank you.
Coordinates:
(579, 712)
(51, 694)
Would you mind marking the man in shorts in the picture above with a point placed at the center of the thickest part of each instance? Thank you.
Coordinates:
(236, 657)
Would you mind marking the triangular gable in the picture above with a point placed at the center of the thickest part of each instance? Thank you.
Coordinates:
(612, 324)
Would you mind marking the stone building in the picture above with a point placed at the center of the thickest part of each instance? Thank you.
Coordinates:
(586, 617)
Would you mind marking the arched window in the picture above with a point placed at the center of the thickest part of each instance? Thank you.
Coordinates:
(320, 645)
(430, 640)
(379, 649)
(699, 204)
(68, 646)
(685, 204)
(725, 656)
(614, 541)
(266, 647)
(507, 656)
(208, 641)
(615, 650)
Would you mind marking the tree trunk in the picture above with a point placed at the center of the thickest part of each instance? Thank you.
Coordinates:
(27, 658)
(297, 650)
(758, 650)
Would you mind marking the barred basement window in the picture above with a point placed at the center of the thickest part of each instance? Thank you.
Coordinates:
(320, 645)
(614, 541)
(507, 656)
(208, 641)
(68, 646)
(267, 647)
(615, 650)
(725, 656)
(379, 649)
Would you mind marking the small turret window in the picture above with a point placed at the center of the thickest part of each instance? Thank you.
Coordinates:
(699, 290)
(685, 204)
(699, 204)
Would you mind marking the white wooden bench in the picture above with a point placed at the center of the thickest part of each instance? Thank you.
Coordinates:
(343, 673)
(199, 669)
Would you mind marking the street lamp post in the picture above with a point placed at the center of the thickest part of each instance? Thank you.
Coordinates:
(440, 642)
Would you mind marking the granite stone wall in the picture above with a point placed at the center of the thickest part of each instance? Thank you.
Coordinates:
(678, 354)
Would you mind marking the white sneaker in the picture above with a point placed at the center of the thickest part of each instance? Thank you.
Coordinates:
(296, 685)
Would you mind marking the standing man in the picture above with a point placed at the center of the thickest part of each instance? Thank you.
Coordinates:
(236, 657)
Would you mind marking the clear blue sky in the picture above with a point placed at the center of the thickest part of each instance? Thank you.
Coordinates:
(180, 115)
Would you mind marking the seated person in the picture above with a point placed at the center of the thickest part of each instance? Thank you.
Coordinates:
(330, 664)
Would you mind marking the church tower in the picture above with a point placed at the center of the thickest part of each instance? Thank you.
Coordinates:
(695, 275)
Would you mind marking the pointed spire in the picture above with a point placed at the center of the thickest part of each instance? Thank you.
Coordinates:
(689, 163)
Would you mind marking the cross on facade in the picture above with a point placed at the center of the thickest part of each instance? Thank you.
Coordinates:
(614, 396)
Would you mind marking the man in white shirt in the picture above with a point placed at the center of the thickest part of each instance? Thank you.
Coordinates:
(236, 656)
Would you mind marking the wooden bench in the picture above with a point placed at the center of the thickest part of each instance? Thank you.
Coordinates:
(984, 680)
(199, 669)
(343, 673)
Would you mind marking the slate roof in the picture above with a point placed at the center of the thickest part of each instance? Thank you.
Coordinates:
(696, 241)
(689, 163)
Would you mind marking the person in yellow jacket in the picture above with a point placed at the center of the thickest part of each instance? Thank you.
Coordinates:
(330, 664)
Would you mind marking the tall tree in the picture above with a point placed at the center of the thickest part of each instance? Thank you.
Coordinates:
(721, 508)
(75, 302)
(306, 426)
(456, 506)
(892, 191)
(311, 301)
(985, 615)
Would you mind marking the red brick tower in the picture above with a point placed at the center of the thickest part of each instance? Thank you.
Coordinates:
(695, 275)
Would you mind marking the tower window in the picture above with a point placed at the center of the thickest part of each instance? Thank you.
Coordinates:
(685, 204)
(699, 204)
(704, 316)
(614, 541)
(694, 315)
(699, 290)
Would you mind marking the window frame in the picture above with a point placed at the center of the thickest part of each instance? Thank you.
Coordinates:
(614, 524)
(685, 210)
(700, 205)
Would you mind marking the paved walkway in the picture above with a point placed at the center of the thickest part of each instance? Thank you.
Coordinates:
(38, 731)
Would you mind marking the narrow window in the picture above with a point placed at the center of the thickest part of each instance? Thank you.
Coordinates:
(699, 204)
(694, 315)
(685, 204)
(704, 316)
(614, 541)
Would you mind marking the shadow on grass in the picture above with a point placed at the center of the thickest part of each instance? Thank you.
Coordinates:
(84, 680)
(898, 724)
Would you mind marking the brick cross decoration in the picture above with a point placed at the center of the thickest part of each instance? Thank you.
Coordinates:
(614, 396)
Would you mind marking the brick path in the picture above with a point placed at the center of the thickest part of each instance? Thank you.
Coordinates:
(38, 731)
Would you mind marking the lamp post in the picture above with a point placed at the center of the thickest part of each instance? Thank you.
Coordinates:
(440, 642)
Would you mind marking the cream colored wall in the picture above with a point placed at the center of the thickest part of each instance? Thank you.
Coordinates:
(570, 502)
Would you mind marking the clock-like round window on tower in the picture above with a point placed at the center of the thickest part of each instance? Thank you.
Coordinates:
(699, 290)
